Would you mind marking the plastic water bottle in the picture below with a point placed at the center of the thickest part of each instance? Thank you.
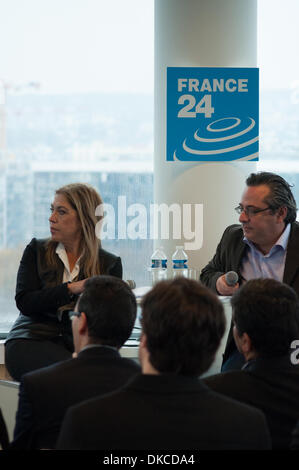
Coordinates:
(158, 266)
(179, 258)
(159, 259)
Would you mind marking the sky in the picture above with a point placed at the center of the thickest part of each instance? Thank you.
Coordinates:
(108, 45)
(278, 41)
(78, 45)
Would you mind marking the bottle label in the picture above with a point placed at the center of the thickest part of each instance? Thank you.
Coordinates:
(180, 264)
(156, 263)
(159, 263)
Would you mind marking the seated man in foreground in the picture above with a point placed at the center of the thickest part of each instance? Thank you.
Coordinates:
(103, 320)
(266, 322)
(167, 406)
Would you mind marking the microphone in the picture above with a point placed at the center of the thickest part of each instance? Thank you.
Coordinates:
(231, 278)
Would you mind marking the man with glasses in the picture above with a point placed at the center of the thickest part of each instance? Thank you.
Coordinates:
(265, 245)
(101, 323)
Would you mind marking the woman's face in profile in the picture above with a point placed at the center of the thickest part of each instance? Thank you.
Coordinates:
(65, 226)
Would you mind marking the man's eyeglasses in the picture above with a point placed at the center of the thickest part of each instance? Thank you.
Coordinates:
(73, 314)
(250, 211)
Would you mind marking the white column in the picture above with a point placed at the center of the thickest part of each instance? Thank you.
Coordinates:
(205, 33)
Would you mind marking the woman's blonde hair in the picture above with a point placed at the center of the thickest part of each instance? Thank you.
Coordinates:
(84, 199)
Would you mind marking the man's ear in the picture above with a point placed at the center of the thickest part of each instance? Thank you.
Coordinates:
(281, 214)
(245, 343)
(143, 340)
(82, 324)
(142, 350)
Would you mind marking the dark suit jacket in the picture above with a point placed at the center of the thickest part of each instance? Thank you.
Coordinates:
(230, 252)
(40, 292)
(295, 438)
(163, 412)
(46, 394)
(272, 385)
(4, 439)
(228, 257)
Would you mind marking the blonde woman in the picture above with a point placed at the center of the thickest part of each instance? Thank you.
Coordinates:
(51, 275)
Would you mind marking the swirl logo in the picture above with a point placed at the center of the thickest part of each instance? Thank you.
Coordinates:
(228, 138)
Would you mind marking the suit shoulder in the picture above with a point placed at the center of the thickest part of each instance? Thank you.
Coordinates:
(46, 373)
(233, 233)
(130, 364)
(107, 255)
(228, 380)
(224, 376)
(295, 228)
(234, 229)
(235, 407)
(38, 243)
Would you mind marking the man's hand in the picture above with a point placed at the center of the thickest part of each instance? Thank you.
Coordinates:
(223, 288)
(76, 287)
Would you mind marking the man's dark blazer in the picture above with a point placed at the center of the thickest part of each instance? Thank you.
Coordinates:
(4, 439)
(45, 394)
(228, 257)
(231, 250)
(40, 292)
(163, 412)
(295, 438)
(272, 385)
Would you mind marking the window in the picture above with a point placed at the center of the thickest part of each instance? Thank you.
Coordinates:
(278, 37)
(76, 104)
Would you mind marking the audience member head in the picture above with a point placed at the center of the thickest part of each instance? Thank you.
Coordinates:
(182, 325)
(106, 313)
(265, 317)
(280, 194)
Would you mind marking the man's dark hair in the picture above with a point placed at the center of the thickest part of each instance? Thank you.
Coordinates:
(183, 322)
(268, 311)
(280, 193)
(110, 308)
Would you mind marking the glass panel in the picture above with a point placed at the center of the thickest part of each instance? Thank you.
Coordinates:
(76, 104)
(278, 38)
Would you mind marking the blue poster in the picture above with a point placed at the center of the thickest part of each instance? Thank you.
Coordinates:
(212, 114)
